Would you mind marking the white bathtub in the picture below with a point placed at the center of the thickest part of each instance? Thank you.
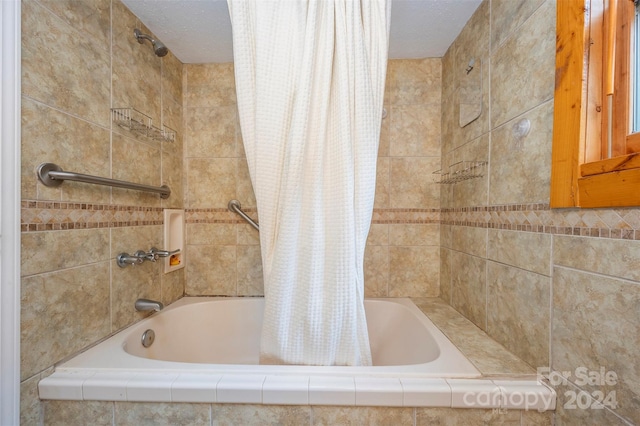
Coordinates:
(206, 350)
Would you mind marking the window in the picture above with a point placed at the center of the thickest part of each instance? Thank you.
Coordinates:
(596, 140)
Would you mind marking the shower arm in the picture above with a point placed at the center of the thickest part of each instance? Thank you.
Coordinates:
(234, 206)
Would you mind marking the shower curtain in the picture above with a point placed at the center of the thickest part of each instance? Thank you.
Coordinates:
(310, 83)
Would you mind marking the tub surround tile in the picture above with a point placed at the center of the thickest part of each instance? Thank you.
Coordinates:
(145, 170)
(522, 68)
(468, 287)
(79, 84)
(247, 235)
(408, 186)
(195, 388)
(376, 271)
(211, 270)
(219, 234)
(603, 311)
(130, 284)
(469, 240)
(471, 192)
(619, 258)
(52, 136)
(172, 70)
(519, 312)
(234, 414)
(507, 16)
(374, 416)
(425, 392)
(568, 413)
(202, 175)
(414, 271)
(445, 275)
(379, 391)
(211, 132)
(172, 286)
(414, 235)
(249, 271)
(78, 412)
(162, 414)
(209, 85)
(240, 389)
(415, 131)
(30, 407)
(244, 187)
(521, 165)
(286, 390)
(383, 173)
(487, 355)
(525, 250)
(469, 416)
(378, 235)
(326, 390)
(61, 313)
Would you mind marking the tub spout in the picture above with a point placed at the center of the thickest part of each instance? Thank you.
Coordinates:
(146, 305)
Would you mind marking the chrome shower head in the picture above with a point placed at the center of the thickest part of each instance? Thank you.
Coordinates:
(158, 47)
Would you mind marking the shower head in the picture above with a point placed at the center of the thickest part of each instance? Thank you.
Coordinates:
(158, 47)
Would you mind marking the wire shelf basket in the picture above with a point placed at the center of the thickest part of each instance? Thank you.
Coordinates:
(140, 123)
(460, 171)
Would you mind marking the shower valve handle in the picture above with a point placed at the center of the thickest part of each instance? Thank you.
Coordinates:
(162, 253)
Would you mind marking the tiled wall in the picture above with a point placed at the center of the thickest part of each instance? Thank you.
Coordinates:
(402, 257)
(559, 288)
(79, 59)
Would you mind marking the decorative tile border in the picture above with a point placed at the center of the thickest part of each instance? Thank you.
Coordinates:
(604, 223)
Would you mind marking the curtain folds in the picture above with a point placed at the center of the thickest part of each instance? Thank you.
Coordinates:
(310, 84)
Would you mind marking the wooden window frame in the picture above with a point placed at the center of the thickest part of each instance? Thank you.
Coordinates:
(579, 178)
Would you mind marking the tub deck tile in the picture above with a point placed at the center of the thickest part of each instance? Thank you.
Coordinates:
(195, 388)
(426, 392)
(240, 389)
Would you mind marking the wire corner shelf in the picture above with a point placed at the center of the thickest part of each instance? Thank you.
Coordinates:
(459, 172)
(140, 123)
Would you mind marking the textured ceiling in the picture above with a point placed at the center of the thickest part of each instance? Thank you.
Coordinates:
(199, 31)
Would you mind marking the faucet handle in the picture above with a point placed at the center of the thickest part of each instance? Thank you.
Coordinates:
(162, 253)
(151, 257)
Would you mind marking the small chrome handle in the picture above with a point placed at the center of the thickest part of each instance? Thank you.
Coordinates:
(125, 259)
(162, 253)
(151, 257)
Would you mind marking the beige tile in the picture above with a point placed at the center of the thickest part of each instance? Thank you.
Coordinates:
(61, 313)
(469, 240)
(385, 133)
(569, 413)
(472, 44)
(518, 312)
(156, 413)
(130, 239)
(414, 271)
(89, 16)
(53, 250)
(409, 188)
(378, 235)
(64, 413)
(209, 85)
(144, 168)
(472, 192)
(415, 130)
(211, 132)
(487, 355)
(617, 258)
(526, 250)
(244, 187)
(376, 271)
(595, 323)
(172, 177)
(221, 234)
(446, 236)
(236, 414)
(383, 170)
(362, 416)
(73, 76)
(507, 16)
(172, 286)
(522, 69)
(250, 282)
(50, 136)
(129, 90)
(247, 235)
(520, 166)
(172, 78)
(130, 284)
(445, 274)
(211, 183)
(414, 81)
(30, 407)
(468, 416)
(468, 287)
(449, 119)
(414, 235)
(537, 418)
(211, 271)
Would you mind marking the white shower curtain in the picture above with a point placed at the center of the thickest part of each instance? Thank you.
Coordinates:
(310, 83)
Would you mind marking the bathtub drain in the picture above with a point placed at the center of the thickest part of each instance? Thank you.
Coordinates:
(148, 337)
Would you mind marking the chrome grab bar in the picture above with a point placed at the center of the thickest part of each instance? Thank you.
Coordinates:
(234, 206)
(52, 175)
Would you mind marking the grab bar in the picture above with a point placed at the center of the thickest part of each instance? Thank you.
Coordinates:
(234, 206)
(52, 175)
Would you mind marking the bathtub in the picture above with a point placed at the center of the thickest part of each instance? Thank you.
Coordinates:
(206, 349)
